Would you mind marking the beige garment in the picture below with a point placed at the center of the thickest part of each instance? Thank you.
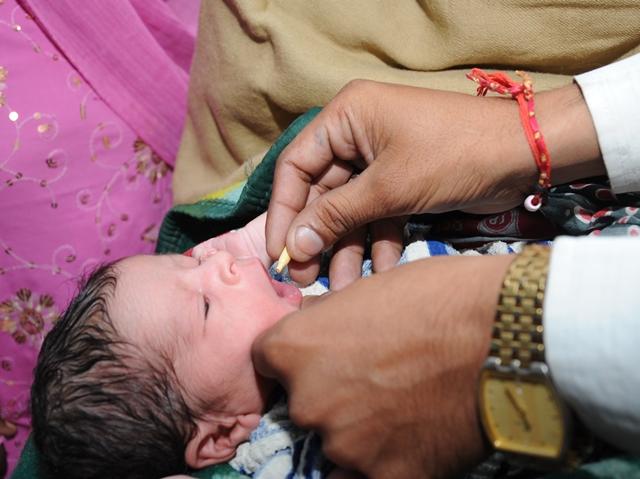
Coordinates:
(261, 63)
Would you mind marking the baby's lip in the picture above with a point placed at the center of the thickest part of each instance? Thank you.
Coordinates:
(287, 292)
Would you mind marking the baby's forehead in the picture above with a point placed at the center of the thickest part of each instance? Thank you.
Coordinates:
(142, 262)
(136, 271)
(145, 303)
(136, 278)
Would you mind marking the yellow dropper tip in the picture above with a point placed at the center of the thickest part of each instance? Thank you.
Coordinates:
(283, 260)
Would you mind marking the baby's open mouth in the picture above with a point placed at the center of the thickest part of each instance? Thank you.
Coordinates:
(285, 290)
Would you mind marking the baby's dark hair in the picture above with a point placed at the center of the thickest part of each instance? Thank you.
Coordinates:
(100, 408)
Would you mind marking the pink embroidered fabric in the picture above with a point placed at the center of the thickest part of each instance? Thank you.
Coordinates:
(92, 100)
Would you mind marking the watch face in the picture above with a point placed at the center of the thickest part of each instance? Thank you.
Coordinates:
(522, 416)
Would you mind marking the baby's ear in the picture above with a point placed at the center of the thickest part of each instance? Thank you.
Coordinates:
(217, 438)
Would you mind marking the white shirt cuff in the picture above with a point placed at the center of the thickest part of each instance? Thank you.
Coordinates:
(592, 333)
(612, 94)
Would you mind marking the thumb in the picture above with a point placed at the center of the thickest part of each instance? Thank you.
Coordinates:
(331, 216)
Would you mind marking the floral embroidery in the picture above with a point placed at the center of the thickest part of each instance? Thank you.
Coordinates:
(6, 364)
(26, 316)
(3, 85)
(150, 233)
(148, 163)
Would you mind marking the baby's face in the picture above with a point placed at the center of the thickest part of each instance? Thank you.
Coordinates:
(205, 316)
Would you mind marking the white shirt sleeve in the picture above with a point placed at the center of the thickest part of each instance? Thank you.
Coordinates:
(592, 303)
(612, 94)
(592, 333)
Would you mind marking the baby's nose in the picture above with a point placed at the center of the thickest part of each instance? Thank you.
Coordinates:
(221, 264)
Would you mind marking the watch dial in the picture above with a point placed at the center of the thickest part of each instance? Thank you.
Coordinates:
(524, 417)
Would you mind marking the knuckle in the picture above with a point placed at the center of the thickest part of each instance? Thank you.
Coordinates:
(357, 85)
(277, 347)
(336, 215)
(273, 350)
(349, 101)
(290, 161)
(275, 342)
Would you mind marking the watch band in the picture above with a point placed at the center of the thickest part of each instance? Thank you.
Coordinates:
(517, 332)
(517, 347)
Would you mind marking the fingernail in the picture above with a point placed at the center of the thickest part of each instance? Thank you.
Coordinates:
(308, 241)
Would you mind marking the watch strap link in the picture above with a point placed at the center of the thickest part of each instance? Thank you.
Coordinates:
(518, 331)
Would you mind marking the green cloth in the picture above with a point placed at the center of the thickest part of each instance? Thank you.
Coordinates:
(31, 467)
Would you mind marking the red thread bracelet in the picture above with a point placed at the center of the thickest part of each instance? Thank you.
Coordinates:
(500, 83)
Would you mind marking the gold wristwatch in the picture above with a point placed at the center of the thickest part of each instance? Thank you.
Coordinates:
(522, 414)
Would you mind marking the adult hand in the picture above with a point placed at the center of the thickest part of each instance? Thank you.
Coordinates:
(386, 369)
(418, 151)
(246, 241)
(3, 460)
(7, 429)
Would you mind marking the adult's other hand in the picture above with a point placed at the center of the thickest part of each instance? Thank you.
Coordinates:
(7, 430)
(386, 369)
(417, 150)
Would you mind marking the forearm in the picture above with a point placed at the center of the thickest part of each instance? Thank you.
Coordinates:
(570, 135)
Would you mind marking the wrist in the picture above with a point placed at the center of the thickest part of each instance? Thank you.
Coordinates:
(566, 126)
(570, 135)
(522, 413)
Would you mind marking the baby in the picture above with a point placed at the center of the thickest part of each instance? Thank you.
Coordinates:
(149, 371)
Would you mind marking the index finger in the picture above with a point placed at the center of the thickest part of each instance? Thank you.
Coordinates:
(305, 158)
(327, 137)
